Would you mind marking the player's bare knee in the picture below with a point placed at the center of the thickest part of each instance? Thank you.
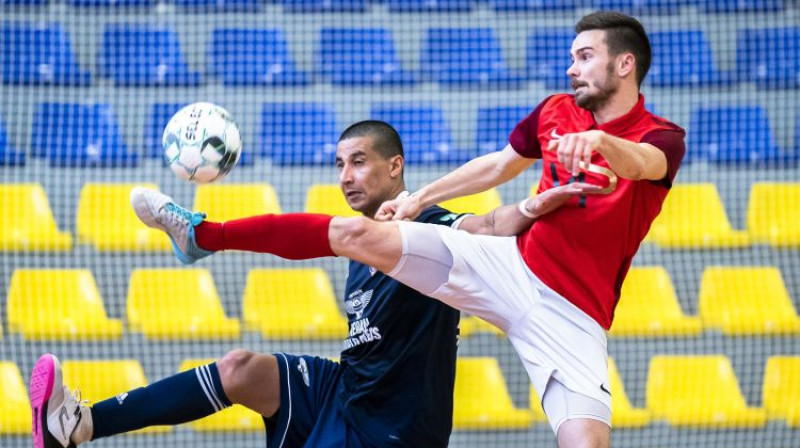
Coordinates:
(232, 370)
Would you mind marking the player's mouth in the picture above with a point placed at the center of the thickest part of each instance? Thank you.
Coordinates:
(352, 194)
(577, 85)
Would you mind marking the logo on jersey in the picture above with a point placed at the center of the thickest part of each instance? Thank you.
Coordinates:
(554, 135)
(121, 397)
(302, 367)
(372, 271)
(358, 301)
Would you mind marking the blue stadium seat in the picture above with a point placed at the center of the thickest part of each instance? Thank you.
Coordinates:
(241, 56)
(79, 135)
(7, 154)
(732, 134)
(360, 56)
(38, 53)
(682, 59)
(429, 5)
(466, 56)
(143, 55)
(770, 57)
(737, 6)
(548, 56)
(324, 5)
(298, 133)
(640, 7)
(495, 125)
(425, 133)
(113, 3)
(206, 6)
(23, 2)
(533, 5)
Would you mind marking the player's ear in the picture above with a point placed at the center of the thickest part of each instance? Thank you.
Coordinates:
(396, 166)
(625, 64)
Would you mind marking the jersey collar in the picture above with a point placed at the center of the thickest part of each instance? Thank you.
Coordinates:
(624, 122)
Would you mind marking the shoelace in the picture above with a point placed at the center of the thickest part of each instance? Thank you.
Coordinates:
(185, 215)
(76, 395)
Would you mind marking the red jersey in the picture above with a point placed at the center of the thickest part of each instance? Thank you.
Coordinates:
(583, 250)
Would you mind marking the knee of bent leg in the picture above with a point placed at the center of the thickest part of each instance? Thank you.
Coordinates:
(351, 231)
(232, 367)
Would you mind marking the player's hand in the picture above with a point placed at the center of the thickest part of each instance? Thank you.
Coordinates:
(576, 148)
(549, 200)
(408, 209)
(387, 210)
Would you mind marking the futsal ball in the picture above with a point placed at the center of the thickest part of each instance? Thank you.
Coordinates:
(201, 143)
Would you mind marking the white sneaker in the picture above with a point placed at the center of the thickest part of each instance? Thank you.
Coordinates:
(159, 211)
(60, 420)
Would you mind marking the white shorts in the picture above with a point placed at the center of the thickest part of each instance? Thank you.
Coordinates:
(487, 277)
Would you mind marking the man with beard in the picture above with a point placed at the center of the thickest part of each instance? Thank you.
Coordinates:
(553, 289)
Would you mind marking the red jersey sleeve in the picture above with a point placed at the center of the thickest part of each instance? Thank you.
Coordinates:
(671, 143)
(525, 136)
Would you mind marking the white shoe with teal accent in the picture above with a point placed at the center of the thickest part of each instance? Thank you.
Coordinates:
(159, 211)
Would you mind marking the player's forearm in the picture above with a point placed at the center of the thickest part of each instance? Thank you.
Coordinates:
(632, 160)
(502, 221)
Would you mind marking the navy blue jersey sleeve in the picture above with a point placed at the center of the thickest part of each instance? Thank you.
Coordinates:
(438, 215)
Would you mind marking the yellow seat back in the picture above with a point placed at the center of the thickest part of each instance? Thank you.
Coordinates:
(292, 304)
(15, 409)
(328, 199)
(106, 220)
(233, 201)
(481, 399)
(478, 204)
(177, 304)
(58, 304)
(773, 214)
(782, 389)
(28, 223)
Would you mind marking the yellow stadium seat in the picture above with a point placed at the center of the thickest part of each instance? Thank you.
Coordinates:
(698, 391)
(648, 306)
(470, 325)
(623, 414)
(739, 300)
(479, 204)
(773, 214)
(15, 409)
(481, 398)
(782, 389)
(232, 201)
(537, 413)
(693, 217)
(58, 304)
(28, 223)
(292, 304)
(177, 304)
(100, 380)
(106, 220)
(234, 418)
(328, 199)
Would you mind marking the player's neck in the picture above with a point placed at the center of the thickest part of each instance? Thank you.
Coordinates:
(619, 105)
(392, 195)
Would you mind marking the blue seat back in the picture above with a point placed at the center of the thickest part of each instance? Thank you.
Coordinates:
(7, 154)
(242, 56)
(533, 5)
(462, 55)
(359, 56)
(32, 53)
(300, 6)
(423, 130)
(298, 133)
(681, 58)
(548, 56)
(429, 5)
(770, 57)
(495, 125)
(737, 6)
(731, 134)
(219, 5)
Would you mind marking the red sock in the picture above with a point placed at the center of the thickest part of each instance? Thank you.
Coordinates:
(295, 236)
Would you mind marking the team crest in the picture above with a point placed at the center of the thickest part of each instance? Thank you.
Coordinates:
(357, 304)
(372, 271)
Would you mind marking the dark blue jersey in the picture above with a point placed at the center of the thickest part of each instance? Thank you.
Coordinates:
(399, 359)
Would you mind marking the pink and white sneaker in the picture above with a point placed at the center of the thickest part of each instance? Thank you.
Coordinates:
(56, 412)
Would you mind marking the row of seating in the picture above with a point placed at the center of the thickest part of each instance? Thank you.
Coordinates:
(683, 391)
(693, 216)
(88, 135)
(146, 55)
(65, 304)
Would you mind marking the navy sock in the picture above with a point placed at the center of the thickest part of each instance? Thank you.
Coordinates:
(181, 398)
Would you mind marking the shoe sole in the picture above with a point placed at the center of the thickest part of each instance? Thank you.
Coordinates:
(41, 388)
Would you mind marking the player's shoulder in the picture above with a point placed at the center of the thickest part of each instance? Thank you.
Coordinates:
(658, 123)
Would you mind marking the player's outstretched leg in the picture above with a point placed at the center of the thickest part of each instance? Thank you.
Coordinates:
(59, 419)
(159, 211)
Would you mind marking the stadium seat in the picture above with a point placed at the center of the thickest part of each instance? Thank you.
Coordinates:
(58, 304)
(424, 131)
(429, 5)
(100, 380)
(79, 135)
(106, 220)
(746, 300)
(298, 133)
(699, 392)
(769, 57)
(8, 156)
(360, 57)
(773, 214)
(639, 7)
(729, 6)
(623, 414)
(781, 391)
(156, 120)
(113, 3)
(292, 304)
(232, 201)
(28, 223)
(234, 418)
(683, 58)
(470, 325)
(479, 203)
(732, 134)
(24, 3)
(328, 199)
(495, 125)
(533, 5)
(466, 57)
(249, 57)
(548, 56)
(15, 409)
(219, 6)
(301, 6)
(648, 307)
(177, 304)
(693, 217)
(39, 54)
(143, 55)
(481, 399)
